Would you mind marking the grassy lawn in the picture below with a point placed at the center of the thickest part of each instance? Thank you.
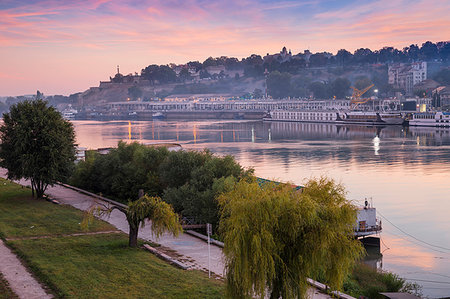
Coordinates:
(23, 216)
(5, 291)
(94, 266)
(102, 266)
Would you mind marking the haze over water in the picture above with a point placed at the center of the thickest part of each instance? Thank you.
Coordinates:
(406, 172)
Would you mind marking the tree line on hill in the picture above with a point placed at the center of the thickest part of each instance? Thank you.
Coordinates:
(287, 75)
(255, 65)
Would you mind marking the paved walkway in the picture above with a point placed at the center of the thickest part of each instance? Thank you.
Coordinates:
(187, 249)
(20, 280)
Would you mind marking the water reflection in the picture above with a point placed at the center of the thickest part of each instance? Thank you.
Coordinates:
(376, 145)
(405, 170)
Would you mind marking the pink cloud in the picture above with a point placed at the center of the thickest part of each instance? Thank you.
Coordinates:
(155, 11)
(10, 76)
(178, 31)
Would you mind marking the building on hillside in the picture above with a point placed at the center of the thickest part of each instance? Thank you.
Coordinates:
(441, 97)
(405, 76)
(425, 88)
(306, 55)
(215, 69)
(130, 79)
(283, 56)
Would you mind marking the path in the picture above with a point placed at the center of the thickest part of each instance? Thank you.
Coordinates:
(20, 280)
(187, 249)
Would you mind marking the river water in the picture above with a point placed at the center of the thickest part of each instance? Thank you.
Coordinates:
(404, 172)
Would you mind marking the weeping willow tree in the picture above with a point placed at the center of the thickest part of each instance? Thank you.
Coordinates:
(276, 237)
(161, 214)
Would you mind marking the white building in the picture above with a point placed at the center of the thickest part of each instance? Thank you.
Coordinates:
(405, 76)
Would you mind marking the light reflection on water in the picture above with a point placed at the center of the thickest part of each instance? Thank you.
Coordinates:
(406, 172)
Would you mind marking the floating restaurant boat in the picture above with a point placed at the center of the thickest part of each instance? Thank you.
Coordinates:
(430, 119)
(338, 117)
(367, 222)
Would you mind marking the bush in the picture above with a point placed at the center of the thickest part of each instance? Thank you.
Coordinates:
(188, 180)
(368, 282)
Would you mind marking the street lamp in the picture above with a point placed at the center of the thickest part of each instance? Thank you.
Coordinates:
(376, 95)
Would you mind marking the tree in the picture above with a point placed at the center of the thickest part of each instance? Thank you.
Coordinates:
(275, 237)
(123, 172)
(204, 74)
(37, 144)
(160, 213)
(134, 92)
(362, 82)
(364, 56)
(257, 93)
(412, 52)
(184, 75)
(343, 57)
(444, 51)
(188, 180)
(209, 62)
(195, 179)
(320, 90)
(429, 51)
(279, 84)
(162, 74)
(318, 60)
(253, 66)
(340, 87)
(443, 76)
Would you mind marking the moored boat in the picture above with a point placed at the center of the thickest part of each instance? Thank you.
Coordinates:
(158, 115)
(430, 119)
(69, 113)
(334, 116)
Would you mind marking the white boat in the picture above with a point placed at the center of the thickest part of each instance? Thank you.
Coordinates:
(334, 116)
(367, 222)
(371, 118)
(69, 113)
(323, 116)
(430, 119)
(158, 115)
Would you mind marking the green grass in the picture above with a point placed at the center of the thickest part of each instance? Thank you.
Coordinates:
(5, 291)
(94, 266)
(102, 266)
(23, 216)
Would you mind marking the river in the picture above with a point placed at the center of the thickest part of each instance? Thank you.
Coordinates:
(404, 172)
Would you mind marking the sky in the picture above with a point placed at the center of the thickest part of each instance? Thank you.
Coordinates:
(63, 47)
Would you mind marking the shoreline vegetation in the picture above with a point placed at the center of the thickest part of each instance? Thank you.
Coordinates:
(61, 272)
(124, 163)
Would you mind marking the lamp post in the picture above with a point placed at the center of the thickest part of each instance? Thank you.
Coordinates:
(376, 95)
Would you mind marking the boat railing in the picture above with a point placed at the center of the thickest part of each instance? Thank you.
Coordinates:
(374, 228)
